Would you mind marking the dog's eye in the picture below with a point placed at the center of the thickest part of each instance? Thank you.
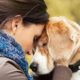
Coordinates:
(45, 44)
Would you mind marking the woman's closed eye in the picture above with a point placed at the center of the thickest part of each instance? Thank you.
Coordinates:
(36, 38)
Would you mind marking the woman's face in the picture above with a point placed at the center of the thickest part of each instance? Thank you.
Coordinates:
(25, 35)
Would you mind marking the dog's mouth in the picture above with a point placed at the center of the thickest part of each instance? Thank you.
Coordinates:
(48, 76)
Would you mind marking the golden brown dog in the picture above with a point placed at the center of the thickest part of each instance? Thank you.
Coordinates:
(60, 44)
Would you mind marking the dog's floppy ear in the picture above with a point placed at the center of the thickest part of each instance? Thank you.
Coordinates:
(75, 36)
(60, 30)
(74, 29)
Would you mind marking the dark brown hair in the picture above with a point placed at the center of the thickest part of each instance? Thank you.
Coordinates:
(32, 11)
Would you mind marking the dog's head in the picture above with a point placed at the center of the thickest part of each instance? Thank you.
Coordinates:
(57, 44)
(42, 62)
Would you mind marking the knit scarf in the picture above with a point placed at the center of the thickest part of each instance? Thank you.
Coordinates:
(9, 48)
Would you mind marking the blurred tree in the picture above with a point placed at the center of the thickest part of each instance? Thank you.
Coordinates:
(76, 10)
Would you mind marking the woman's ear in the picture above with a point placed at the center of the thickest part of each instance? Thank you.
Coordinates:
(16, 23)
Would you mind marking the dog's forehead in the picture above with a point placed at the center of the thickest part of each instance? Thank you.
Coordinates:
(57, 27)
(68, 23)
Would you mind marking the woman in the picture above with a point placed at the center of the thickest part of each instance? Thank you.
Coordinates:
(21, 21)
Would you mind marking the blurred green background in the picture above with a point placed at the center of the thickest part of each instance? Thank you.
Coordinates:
(68, 8)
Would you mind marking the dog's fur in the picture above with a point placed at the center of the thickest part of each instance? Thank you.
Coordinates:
(60, 44)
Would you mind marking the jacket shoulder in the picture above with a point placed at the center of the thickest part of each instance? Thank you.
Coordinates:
(9, 70)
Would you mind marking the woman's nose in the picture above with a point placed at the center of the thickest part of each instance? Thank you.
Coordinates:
(34, 66)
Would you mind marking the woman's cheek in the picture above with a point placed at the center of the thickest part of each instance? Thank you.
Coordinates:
(29, 44)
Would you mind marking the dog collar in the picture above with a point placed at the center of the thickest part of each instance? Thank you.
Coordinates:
(75, 67)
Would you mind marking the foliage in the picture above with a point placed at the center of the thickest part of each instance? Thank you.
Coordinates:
(68, 8)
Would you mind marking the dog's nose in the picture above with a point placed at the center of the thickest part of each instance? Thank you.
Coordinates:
(34, 66)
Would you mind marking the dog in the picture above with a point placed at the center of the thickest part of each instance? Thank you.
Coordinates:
(60, 45)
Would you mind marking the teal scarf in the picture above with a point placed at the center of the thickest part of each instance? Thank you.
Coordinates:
(9, 48)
